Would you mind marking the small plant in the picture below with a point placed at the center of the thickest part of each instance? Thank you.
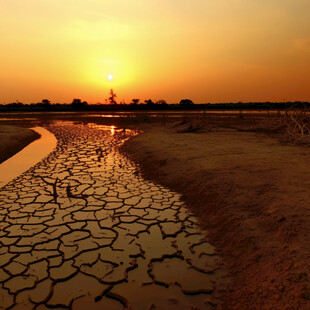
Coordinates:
(293, 123)
(297, 124)
(112, 97)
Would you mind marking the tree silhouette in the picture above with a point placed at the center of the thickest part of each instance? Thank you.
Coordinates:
(161, 102)
(46, 103)
(135, 101)
(186, 102)
(149, 102)
(112, 97)
(78, 104)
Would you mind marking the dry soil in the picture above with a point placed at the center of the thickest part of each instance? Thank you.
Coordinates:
(251, 192)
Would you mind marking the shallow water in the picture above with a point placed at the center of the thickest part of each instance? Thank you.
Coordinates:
(83, 229)
(27, 157)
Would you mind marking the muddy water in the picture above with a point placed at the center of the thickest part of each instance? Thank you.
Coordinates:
(83, 230)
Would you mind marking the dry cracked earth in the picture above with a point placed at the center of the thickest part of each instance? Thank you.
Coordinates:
(83, 230)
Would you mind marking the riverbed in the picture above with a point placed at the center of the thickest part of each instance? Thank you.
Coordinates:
(83, 229)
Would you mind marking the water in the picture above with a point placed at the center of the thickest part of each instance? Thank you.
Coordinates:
(82, 229)
(27, 157)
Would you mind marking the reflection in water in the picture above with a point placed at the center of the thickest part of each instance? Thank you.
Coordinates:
(112, 129)
(27, 157)
(17, 119)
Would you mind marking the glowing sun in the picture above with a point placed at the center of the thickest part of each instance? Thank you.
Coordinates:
(110, 77)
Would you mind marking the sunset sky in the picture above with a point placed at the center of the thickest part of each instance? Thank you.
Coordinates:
(205, 50)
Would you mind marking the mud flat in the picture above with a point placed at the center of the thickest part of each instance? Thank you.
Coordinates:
(82, 229)
(252, 194)
(13, 139)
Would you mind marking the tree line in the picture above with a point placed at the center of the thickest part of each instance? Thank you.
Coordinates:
(149, 104)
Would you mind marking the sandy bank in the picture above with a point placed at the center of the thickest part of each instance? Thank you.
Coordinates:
(13, 139)
(252, 194)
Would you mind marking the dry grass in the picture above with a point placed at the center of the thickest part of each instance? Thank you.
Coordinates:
(293, 124)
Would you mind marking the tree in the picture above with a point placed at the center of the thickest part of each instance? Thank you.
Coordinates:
(161, 102)
(46, 103)
(112, 97)
(149, 102)
(135, 101)
(78, 104)
(186, 102)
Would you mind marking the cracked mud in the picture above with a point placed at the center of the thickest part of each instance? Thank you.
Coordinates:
(82, 229)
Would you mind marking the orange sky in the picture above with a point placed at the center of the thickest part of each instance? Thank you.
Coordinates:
(205, 50)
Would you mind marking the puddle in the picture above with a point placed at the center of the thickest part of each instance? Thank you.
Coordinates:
(27, 157)
(83, 229)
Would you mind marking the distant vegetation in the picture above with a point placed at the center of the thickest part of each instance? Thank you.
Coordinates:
(149, 104)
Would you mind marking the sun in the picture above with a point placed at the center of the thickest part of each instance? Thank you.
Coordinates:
(110, 77)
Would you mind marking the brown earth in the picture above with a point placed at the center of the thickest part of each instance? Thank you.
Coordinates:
(251, 192)
(13, 139)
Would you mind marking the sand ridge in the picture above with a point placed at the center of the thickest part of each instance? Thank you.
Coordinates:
(252, 193)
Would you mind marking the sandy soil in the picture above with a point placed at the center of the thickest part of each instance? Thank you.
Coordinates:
(13, 139)
(251, 192)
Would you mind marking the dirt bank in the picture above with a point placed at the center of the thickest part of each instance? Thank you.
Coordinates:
(13, 139)
(252, 194)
